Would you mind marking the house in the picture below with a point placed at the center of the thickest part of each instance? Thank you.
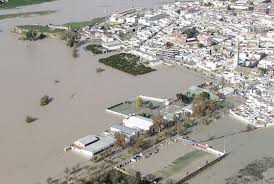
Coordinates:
(138, 122)
(226, 92)
(93, 144)
(205, 39)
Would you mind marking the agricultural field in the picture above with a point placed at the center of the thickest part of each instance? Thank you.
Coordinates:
(128, 63)
(17, 3)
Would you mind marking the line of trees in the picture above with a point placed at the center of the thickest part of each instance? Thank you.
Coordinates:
(202, 104)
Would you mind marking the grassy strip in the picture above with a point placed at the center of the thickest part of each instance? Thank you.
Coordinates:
(17, 3)
(27, 14)
(79, 25)
(71, 25)
(128, 63)
(41, 28)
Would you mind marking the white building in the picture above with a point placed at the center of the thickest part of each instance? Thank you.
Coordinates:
(124, 129)
(226, 92)
(131, 19)
(93, 144)
(138, 122)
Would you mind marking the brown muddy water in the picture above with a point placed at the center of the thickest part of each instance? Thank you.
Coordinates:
(32, 152)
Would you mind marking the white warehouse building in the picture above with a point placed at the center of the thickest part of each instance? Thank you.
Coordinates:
(138, 122)
(93, 144)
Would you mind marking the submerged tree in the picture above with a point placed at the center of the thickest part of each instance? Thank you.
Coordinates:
(139, 101)
(29, 119)
(45, 100)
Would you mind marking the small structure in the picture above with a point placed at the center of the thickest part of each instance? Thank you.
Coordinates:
(93, 144)
(188, 109)
(138, 122)
(130, 133)
(226, 92)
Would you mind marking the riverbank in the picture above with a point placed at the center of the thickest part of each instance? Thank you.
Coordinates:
(55, 31)
(26, 14)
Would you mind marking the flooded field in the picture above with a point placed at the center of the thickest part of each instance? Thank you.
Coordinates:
(174, 161)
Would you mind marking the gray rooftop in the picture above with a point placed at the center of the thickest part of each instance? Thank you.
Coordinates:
(124, 129)
(88, 139)
(104, 141)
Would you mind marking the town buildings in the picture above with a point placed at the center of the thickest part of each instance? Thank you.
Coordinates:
(230, 42)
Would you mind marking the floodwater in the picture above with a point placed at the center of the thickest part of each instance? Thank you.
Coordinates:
(243, 148)
(32, 152)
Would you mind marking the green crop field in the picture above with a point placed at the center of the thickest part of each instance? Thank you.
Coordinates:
(79, 25)
(128, 63)
(40, 28)
(17, 3)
